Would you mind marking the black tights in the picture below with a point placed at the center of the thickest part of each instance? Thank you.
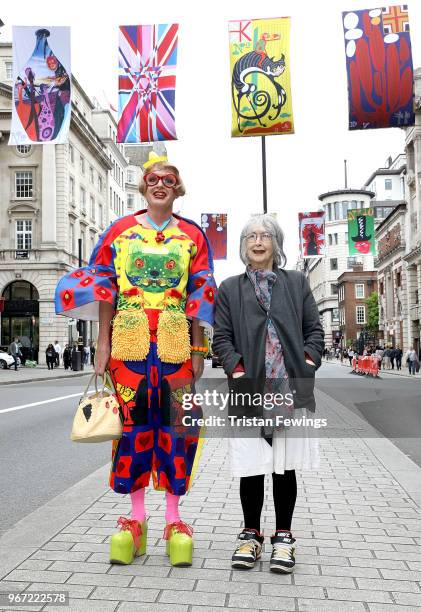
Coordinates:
(252, 492)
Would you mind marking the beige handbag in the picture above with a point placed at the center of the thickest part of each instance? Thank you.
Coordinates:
(98, 417)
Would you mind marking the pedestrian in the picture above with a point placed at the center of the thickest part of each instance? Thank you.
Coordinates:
(350, 356)
(86, 355)
(386, 359)
(411, 360)
(57, 349)
(398, 357)
(392, 358)
(14, 351)
(67, 357)
(50, 356)
(92, 347)
(155, 268)
(268, 333)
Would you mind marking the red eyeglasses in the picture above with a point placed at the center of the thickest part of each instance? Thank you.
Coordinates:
(168, 180)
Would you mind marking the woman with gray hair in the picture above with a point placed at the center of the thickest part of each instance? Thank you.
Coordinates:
(268, 337)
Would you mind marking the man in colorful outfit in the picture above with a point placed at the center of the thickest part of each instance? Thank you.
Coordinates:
(149, 273)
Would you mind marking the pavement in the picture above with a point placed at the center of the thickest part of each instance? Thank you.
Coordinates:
(403, 372)
(41, 372)
(357, 523)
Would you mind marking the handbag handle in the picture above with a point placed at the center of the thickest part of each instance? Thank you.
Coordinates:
(106, 382)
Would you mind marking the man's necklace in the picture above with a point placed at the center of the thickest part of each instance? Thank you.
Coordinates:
(159, 228)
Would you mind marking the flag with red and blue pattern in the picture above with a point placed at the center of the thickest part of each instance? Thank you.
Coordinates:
(379, 67)
(146, 83)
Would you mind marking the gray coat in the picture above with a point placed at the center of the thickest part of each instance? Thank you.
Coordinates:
(240, 331)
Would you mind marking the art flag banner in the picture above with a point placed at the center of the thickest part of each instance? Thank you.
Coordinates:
(41, 85)
(215, 227)
(260, 77)
(312, 234)
(146, 83)
(361, 238)
(379, 67)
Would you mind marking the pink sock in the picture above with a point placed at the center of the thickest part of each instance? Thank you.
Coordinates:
(138, 505)
(171, 513)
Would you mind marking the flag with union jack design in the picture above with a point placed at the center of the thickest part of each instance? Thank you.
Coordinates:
(146, 83)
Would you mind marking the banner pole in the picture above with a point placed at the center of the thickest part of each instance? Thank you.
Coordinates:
(265, 202)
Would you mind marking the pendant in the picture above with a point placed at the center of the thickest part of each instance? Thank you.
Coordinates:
(159, 237)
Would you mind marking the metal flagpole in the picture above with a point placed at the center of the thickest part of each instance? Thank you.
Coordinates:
(265, 199)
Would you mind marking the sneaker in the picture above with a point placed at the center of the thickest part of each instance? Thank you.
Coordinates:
(248, 549)
(282, 559)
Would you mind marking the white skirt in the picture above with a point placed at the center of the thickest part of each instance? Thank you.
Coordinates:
(253, 456)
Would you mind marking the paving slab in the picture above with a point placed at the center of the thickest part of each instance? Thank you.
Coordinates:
(349, 556)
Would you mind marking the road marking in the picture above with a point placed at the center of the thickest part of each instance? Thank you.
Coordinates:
(50, 401)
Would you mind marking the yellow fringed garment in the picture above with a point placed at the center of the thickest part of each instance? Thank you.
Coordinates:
(130, 338)
(173, 339)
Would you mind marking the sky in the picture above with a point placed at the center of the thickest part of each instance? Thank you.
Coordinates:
(224, 174)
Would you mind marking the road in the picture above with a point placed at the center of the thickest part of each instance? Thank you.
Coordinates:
(39, 461)
(391, 404)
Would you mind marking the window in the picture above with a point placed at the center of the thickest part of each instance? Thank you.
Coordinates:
(91, 175)
(398, 279)
(334, 263)
(24, 234)
(82, 243)
(92, 207)
(71, 238)
(71, 154)
(360, 314)
(335, 238)
(99, 183)
(337, 214)
(388, 184)
(101, 214)
(416, 296)
(24, 184)
(9, 70)
(359, 291)
(83, 200)
(82, 164)
(346, 237)
(334, 289)
(23, 149)
(130, 176)
(130, 201)
(71, 190)
(111, 198)
(329, 212)
(344, 209)
(335, 315)
(381, 288)
(330, 240)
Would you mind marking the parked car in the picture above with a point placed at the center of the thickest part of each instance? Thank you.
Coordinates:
(6, 360)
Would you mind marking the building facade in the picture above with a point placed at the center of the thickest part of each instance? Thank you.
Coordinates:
(392, 278)
(323, 273)
(413, 224)
(354, 287)
(53, 200)
(105, 126)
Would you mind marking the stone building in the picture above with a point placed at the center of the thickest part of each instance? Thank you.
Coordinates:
(392, 278)
(105, 126)
(52, 198)
(413, 225)
(323, 272)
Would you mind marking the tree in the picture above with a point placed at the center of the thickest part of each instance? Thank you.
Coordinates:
(373, 312)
